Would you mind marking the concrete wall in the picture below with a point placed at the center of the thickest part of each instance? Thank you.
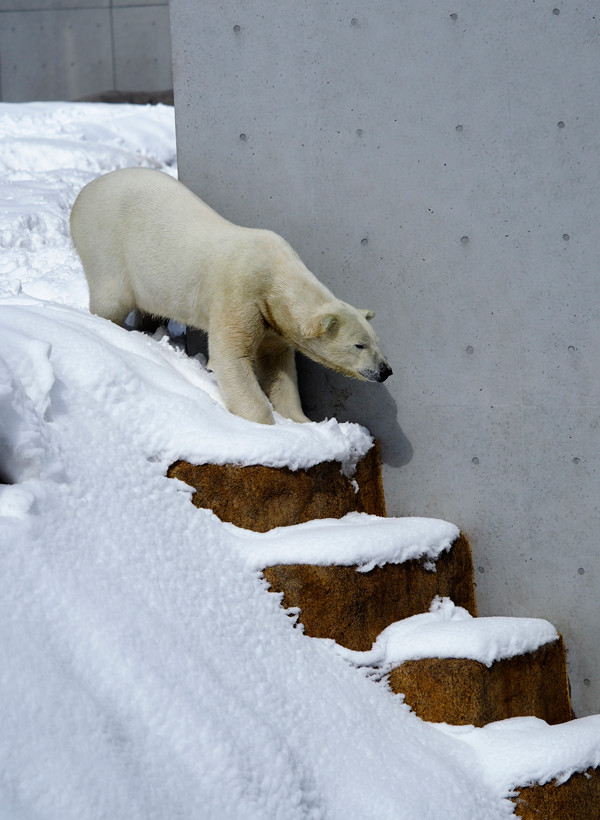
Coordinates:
(440, 164)
(67, 49)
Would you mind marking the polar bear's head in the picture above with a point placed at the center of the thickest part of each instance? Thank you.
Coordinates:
(341, 338)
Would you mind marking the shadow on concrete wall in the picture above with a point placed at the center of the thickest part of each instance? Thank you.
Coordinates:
(326, 394)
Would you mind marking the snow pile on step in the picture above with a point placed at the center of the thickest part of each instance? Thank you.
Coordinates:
(366, 541)
(449, 631)
(100, 357)
(523, 751)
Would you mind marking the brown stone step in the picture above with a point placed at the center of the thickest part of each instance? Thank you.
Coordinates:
(576, 799)
(260, 498)
(354, 607)
(465, 691)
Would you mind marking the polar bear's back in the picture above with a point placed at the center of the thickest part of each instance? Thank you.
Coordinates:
(147, 242)
(142, 200)
(143, 239)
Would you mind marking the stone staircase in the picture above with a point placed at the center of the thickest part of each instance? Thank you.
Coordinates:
(375, 615)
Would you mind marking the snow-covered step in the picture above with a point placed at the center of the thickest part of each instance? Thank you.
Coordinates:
(457, 669)
(352, 577)
(260, 497)
(551, 772)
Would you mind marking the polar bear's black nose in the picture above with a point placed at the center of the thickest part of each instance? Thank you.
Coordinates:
(385, 372)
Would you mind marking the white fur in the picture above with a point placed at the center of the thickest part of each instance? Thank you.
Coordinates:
(147, 242)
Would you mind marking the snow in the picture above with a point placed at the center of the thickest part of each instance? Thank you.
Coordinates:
(146, 671)
(49, 152)
(526, 750)
(449, 631)
(356, 539)
(150, 383)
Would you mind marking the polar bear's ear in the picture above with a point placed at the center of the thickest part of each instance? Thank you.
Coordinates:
(368, 314)
(318, 325)
(328, 322)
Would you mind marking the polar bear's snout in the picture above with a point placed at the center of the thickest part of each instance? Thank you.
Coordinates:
(380, 375)
(384, 373)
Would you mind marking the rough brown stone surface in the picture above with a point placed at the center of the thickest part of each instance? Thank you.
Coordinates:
(461, 691)
(577, 799)
(354, 607)
(260, 498)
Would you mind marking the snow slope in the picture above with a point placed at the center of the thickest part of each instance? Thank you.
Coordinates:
(146, 672)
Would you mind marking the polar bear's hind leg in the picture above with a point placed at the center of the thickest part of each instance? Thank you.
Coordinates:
(110, 304)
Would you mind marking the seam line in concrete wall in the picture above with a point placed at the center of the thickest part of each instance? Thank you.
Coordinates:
(112, 46)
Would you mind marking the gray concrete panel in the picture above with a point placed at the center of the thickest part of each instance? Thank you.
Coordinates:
(68, 54)
(250, 64)
(122, 3)
(26, 6)
(142, 48)
(439, 165)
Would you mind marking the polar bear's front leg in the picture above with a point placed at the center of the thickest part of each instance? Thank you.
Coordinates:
(231, 360)
(276, 371)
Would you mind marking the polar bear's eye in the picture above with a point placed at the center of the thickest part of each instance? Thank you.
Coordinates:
(360, 346)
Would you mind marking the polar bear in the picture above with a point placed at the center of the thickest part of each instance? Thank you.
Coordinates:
(147, 242)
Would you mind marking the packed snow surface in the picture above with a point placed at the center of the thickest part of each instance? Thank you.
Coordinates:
(146, 672)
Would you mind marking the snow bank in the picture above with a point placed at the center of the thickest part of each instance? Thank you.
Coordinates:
(49, 152)
(171, 403)
(449, 631)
